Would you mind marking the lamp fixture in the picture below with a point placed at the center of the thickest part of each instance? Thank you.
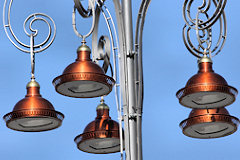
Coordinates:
(206, 89)
(206, 92)
(83, 78)
(100, 136)
(209, 123)
(33, 113)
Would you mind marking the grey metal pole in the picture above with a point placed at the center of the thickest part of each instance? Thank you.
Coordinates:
(127, 19)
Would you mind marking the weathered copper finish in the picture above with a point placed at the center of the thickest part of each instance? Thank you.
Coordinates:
(206, 89)
(33, 113)
(101, 136)
(209, 123)
(83, 78)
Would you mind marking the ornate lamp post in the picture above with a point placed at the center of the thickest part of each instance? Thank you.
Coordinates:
(207, 93)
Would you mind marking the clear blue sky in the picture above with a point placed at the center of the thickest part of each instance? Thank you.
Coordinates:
(167, 67)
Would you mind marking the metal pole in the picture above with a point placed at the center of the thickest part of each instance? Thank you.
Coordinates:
(127, 19)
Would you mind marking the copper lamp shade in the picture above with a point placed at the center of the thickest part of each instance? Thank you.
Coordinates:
(206, 89)
(209, 123)
(33, 113)
(101, 136)
(83, 78)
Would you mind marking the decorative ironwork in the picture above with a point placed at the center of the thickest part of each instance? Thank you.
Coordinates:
(32, 48)
(202, 24)
(84, 13)
(32, 18)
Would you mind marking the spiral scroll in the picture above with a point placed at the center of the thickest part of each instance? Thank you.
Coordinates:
(202, 25)
(31, 48)
(30, 19)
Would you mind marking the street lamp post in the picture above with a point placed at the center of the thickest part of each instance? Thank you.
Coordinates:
(131, 104)
(207, 93)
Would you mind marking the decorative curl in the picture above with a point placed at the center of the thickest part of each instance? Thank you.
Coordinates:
(104, 50)
(204, 8)
(81, 10)
(203, 29)
(32, 18)
(102, 47)
(42, 17)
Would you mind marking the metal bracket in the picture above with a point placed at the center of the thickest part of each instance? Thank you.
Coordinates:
(131, 54)
(134, 116)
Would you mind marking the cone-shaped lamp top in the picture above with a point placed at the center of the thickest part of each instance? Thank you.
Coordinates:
(206, 75)
(83, 63)
(33, 99)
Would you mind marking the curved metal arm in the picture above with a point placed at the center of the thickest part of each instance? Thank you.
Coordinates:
(203, 29)
(84, 13)
(32, 18)
(139, 75)
(138, 47)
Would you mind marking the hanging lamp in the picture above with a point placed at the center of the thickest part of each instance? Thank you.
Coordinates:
(33, 113)
(83, 78)
(206, 89)
(209, 123)
(100, 136)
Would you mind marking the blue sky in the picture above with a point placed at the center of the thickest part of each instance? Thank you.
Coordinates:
(167, 67)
